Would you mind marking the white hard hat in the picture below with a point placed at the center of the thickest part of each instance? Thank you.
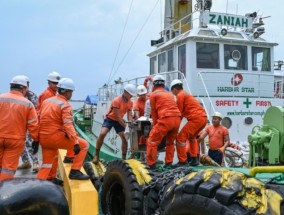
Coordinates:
(130, 88)
(54, 77)
(66, 83)
(26, 77)
(20, 80)
(175, 82)
(141, 90)
(217, 114)
(158, 78)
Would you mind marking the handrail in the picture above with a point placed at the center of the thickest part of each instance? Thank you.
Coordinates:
(207, 93)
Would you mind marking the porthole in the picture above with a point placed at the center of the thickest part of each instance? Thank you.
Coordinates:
(227, 122)
(248, 120)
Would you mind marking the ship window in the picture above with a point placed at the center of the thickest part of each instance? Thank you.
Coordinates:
(207, 55)
(261, 59)
(227, 122)
(153, 65)
(171, 60)
(162, 66)
(206, 33)
(235, 57)
(182, 59)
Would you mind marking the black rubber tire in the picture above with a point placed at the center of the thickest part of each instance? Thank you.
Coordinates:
(159, 183)
(121, 193)
(279, 189)
(31, 196)
(193, 195)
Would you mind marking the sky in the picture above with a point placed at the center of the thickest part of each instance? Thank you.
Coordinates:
(80, 39)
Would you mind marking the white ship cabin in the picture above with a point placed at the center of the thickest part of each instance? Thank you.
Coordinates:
(223, 60)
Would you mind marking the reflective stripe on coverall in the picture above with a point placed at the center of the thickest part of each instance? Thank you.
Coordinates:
(57, 132)
(193, 111)
(46, 94)
(17, 115)
(166, 121)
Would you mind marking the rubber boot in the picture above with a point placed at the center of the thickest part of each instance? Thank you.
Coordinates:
(168, 166)
(194, 161)
(77, 175)
(180, 164)
(153, 167)
(56, 181)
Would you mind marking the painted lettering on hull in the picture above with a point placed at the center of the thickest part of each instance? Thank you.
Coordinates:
(227, 89)
(227, 103)
(263, 103)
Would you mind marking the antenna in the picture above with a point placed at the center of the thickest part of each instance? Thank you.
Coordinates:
(227, 7)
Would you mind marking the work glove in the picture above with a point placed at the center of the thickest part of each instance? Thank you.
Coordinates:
(35, 145)
(76, 149)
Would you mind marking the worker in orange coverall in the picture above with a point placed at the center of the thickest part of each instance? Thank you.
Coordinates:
(196, 117)
(166, 120)
(52, 79)
(57, 132)
(17, 115)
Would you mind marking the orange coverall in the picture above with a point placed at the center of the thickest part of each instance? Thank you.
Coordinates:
(193, 111)
(56, 131)
(166, 120)
(17, 115)
(45, 95)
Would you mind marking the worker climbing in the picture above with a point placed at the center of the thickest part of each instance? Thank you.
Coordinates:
(57, 132)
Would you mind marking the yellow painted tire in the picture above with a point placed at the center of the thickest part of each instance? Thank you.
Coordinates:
(221, 191)
(95, 172)
(122, 188)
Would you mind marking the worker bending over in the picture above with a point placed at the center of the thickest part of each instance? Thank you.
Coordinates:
(196, 117)
(57, 132)
(17, 115)
(166, 120)
(114, 118)
(218, 138)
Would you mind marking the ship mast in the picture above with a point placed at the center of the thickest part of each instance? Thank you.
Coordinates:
(175, 10)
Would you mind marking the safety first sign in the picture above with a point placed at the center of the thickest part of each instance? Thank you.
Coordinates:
(247, 103)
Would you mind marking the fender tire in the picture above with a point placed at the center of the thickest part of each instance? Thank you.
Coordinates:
(95, 172)
(206, 192)
(121, 193)
(31, 196)
(159, 183)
